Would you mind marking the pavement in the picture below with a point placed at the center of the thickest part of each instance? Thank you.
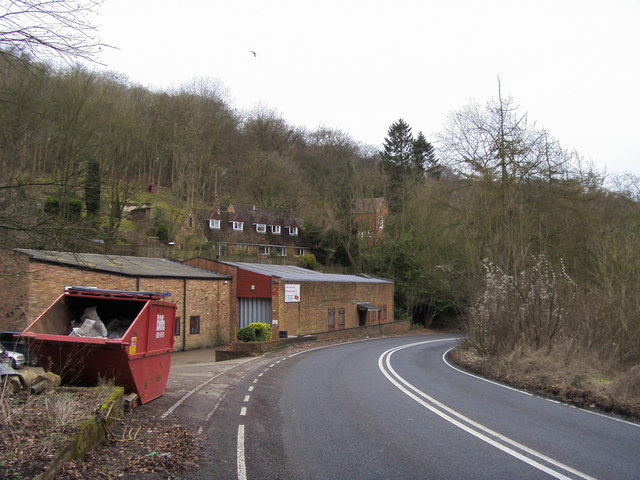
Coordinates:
(197, 384)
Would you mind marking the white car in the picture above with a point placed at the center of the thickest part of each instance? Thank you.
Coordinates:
(14, 359)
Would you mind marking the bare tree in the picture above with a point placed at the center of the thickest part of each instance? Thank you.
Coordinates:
(50, 28)
(497, 142)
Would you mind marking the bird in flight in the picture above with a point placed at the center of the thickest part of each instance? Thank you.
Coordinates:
(254, 53)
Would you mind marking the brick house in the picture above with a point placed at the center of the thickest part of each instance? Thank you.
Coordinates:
(243, 230)
(32, 279)
(297, 301)
(370, 215)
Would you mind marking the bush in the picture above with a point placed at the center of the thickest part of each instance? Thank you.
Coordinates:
(255, 332)
(247, 334)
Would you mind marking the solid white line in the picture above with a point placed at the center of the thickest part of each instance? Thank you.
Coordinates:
(194, 390)
(210, 414)
(243, 411)
(187, 395)
(444, 359)
(242, 467)
(246, 398)
(384, 363)
(609, 417)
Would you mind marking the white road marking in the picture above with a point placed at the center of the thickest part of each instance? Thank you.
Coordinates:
(251, 388)
(472, 427)
(243, 411)
(246, 398)
(444, 359)
(242, 467)
(210, 414)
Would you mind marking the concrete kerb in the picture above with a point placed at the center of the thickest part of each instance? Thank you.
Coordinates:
(90, 432)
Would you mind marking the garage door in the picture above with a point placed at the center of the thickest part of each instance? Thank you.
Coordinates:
(254, 310)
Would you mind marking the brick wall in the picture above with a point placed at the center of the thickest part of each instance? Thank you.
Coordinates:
(14, 288)
(29, 288)
(311, 314)
(230, 303)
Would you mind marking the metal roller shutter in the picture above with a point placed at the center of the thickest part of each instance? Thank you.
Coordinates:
(254, 310)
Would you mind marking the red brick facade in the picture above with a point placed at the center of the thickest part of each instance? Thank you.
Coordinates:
(317, 300)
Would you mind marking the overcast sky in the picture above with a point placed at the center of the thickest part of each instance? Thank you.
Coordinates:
(359, 65)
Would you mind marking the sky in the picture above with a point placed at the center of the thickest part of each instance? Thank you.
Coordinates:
(357, 66)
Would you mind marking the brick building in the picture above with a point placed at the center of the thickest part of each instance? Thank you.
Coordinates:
(32, 279)
(300, 301)
(370, 215)
(243, 230)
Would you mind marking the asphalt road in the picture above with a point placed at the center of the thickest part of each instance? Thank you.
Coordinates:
(393, 408)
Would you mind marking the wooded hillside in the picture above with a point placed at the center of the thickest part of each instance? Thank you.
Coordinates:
(494, 218)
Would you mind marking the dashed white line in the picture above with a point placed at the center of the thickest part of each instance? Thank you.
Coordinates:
(251, 388)
(246, 398)
(243, 411)
(242, 467)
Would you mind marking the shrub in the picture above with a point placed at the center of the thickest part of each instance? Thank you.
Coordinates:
(529, 308)
(263, 331)
(255, 332)
(247, 334)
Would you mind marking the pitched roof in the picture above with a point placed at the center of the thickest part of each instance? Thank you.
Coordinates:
(298, 274)
(123, 265)
(249, 235)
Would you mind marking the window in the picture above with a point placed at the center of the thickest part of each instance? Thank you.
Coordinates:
(299, 251)
(277, 229)
(332, 319)
(238, 226)
(261, 228)
(190, 222)
(176, 327)
(293, 231)
(281, 251)
(263, 250)
(380, 222)
(194, 324)
(384, 313)
(214, 224)
(341, 318)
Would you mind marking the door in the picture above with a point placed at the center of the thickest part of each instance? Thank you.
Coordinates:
(254, 310)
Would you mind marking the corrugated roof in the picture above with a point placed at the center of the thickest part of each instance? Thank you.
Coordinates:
(124, 265)
(291, 273)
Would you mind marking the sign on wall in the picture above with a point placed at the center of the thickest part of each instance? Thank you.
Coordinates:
(291, 292)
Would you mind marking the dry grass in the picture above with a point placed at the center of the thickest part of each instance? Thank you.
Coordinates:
(34, 426)
(564, 374)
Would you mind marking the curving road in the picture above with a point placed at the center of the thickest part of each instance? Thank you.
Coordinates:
(394, 408)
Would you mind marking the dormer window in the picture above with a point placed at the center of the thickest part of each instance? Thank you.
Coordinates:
(293, 231)
(277, 229)
(238, 226)
(214, 224)
(261, 228)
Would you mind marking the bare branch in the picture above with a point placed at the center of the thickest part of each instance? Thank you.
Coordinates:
(49, 28)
